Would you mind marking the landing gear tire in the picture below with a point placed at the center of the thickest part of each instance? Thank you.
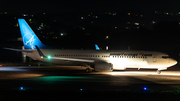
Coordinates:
(158, 71)
(111, 69)
(88, 70)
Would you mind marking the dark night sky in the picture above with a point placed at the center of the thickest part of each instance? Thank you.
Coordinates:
(88, 5)
(35, 6)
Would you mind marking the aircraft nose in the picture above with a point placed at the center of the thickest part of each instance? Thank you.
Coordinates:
(173, 61)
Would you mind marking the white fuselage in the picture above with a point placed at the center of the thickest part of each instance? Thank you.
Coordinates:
(119, 59)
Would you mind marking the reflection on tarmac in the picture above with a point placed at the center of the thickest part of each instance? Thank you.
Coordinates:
(72, 80)
(146, 73)
(11, 69)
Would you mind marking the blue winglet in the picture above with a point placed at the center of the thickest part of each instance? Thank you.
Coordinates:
(96, 46)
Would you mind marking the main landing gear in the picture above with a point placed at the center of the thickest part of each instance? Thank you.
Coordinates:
(88, 70)
(158, 71)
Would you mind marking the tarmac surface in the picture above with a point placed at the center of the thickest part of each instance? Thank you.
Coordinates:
(73, 83)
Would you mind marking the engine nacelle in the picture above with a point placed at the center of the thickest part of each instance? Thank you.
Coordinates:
(103, 67)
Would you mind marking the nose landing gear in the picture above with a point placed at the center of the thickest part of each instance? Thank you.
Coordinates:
(158, 71)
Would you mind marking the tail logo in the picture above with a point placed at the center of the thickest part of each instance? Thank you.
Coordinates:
(29, 37)
(28, 40)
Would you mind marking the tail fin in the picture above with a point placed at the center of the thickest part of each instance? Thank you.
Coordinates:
(96, 46)
(29, 37)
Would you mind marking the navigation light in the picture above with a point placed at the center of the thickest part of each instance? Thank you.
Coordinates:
(49, 57)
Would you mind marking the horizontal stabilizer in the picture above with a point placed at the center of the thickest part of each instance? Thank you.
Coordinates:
(19, 50)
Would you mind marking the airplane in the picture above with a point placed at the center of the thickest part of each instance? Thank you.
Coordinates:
(103, 60)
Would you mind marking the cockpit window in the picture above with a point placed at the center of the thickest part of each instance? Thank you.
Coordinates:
(165, 57)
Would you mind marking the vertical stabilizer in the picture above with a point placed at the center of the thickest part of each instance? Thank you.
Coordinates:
(96, 46)
(28, 36)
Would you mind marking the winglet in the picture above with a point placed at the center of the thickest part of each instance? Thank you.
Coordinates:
(96, 46)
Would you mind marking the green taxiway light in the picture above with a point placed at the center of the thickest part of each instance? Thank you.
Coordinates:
(59, 78)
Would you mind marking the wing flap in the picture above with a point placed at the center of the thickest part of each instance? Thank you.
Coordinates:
(73, 59)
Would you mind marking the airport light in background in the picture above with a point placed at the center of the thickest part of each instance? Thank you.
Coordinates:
(107, 37)
(106, 47)
(153, 22)
(136, 23)
(145, 88)
(22, 88)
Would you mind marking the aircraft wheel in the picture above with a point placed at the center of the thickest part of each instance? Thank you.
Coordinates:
(88, 70)
(111, 69)
(158, 71)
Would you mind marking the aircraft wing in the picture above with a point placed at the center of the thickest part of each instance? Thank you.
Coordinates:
(72, 59)
(19, 50)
